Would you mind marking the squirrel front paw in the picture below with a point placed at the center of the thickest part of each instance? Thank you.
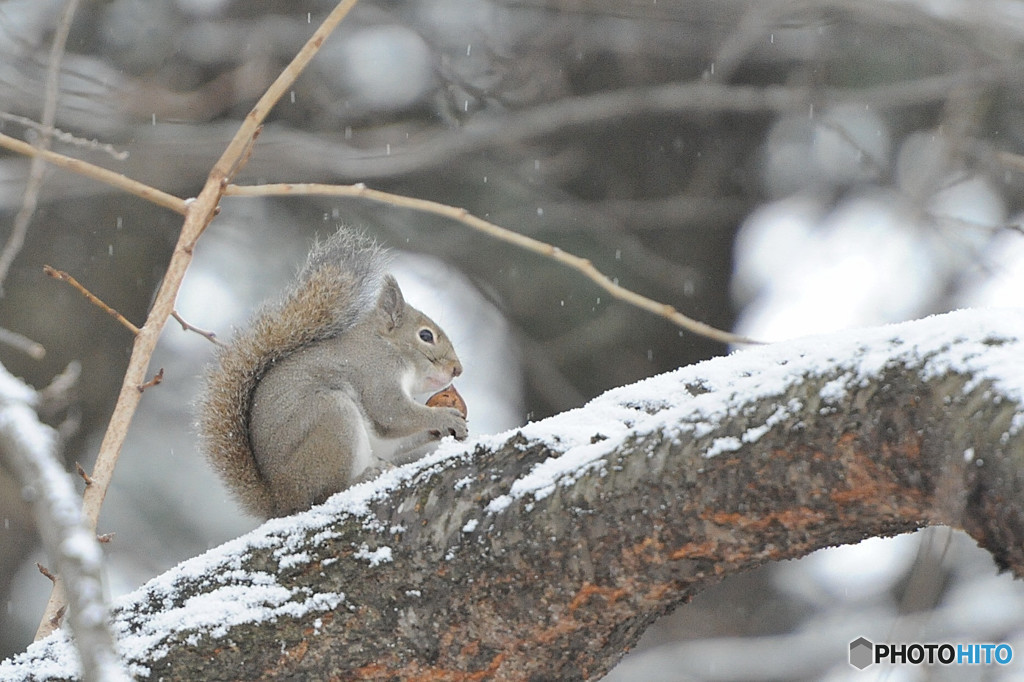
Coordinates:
(450, 422)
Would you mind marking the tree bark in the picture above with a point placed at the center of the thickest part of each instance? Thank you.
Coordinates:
(545, 554)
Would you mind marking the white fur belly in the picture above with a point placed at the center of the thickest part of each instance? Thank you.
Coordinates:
(369, 450)
(362, 452)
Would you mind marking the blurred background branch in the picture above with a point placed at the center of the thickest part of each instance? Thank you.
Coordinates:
(51, 91)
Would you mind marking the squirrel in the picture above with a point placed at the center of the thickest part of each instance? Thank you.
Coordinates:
(317, 390)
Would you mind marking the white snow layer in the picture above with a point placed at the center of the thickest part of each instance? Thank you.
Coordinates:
(984, 344)
(957, 342)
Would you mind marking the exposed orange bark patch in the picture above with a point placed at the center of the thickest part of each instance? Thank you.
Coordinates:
(589, 590)
(696, 550)
(796, 517)
(869, 482)
(732, 519)
(649, 551)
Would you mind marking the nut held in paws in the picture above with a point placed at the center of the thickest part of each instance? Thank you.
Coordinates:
(449, 397)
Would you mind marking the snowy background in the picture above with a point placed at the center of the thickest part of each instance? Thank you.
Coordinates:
(888, 204)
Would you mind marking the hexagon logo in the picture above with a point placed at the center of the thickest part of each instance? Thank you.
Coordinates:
(861, 653)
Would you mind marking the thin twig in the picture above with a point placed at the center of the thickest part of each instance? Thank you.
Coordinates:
(91, 297)
(37, 167)
(461, 215)
(46, 572)
(198, 214)
(83, 474)
(89, 170)
(157, 378)
(208, 335)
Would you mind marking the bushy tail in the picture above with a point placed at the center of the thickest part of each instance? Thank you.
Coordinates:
(338, 285)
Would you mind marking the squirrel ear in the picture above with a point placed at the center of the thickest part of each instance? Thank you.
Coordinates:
(391, 303)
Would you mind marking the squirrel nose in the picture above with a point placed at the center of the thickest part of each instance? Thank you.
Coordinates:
(456, 370)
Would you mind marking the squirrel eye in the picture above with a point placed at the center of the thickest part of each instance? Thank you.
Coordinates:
(426, 336)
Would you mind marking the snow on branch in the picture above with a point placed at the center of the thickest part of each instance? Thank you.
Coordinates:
(28, 448)
(547, 551)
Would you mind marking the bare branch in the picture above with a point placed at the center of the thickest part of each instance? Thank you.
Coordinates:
(91, 297)
(208, 335)
(461, 215)
(46, 572)
(157, 378)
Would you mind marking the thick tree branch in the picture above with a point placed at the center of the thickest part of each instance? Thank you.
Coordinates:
(546, 553)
